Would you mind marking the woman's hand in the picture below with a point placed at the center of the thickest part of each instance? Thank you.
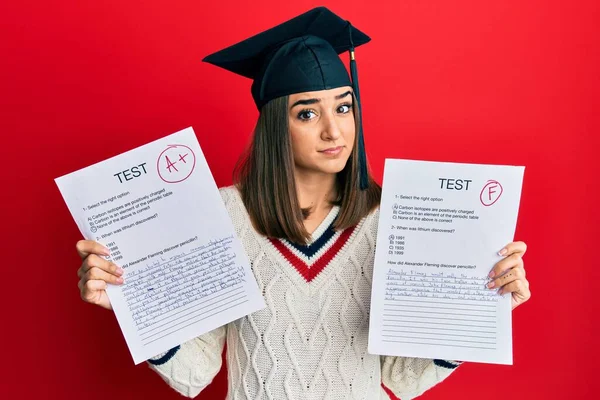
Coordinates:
(508, 275)
(96, 272)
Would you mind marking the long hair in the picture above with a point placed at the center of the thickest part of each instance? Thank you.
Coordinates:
(264, 175)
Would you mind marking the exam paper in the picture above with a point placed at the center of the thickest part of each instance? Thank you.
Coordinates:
(440, 228)
(158, 210)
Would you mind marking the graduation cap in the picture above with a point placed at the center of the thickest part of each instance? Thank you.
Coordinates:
(299, 55)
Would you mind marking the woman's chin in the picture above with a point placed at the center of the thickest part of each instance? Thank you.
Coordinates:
(327, 167)
(333, 167)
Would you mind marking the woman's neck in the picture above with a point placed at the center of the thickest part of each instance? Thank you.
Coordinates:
(316, 191)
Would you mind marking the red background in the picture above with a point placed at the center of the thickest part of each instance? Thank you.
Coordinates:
(506, 82)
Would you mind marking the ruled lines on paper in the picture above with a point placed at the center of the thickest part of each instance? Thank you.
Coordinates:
(171, 293)
(442, 309)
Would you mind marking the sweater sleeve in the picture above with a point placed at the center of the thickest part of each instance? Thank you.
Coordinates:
(408, 377)
(192, 366)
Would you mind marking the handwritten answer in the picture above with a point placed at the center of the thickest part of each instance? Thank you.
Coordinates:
(444, 309)
(185, 288)
(440, 285)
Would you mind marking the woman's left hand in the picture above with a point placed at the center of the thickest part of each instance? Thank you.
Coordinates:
(508, 275)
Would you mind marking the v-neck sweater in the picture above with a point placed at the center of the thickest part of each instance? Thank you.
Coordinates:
(310, 342)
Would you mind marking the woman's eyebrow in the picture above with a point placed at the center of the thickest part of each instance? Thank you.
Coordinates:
(313, 101)
(305, 102)
(341, 96)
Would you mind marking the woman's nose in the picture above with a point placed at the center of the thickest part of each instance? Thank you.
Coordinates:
(331, 130)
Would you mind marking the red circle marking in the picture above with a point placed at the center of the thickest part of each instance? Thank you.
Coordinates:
(486, 202)
(176, 177)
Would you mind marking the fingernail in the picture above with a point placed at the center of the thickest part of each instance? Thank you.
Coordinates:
(119, 271)
(491, 285)
(491, 274)
(105, 251)
(502, 252)
(119, 280)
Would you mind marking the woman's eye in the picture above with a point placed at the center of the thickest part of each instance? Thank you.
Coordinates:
(305, 115)
(345, 108)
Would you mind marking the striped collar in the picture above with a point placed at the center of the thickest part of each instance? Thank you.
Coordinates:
(310, 259)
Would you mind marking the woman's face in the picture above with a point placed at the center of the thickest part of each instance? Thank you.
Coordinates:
(322, 129)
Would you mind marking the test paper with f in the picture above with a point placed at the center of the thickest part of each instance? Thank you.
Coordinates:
(441, 226)
(158, 210)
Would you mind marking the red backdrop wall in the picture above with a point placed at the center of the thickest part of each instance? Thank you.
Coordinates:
(507, 82)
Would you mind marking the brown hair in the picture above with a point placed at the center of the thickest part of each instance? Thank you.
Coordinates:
(264, 175)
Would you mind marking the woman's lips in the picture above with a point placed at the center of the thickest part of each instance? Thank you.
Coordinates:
(332, 151)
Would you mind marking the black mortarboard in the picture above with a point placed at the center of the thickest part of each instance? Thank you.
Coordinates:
(299, 55)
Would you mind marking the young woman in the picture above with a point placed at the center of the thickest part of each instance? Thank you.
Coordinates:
(306, 211)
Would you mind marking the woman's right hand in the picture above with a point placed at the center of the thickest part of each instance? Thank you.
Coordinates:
(96, 272)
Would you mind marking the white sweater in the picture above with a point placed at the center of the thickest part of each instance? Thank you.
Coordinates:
(311, 340)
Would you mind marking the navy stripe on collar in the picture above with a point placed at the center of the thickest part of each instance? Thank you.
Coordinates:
(312, 248)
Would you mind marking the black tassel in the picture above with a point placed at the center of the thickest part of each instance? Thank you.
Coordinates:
(362, 156)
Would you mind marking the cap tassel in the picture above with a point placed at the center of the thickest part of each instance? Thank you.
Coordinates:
(362, 156)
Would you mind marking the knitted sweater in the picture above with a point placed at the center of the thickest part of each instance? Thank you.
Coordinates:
(310, 342)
